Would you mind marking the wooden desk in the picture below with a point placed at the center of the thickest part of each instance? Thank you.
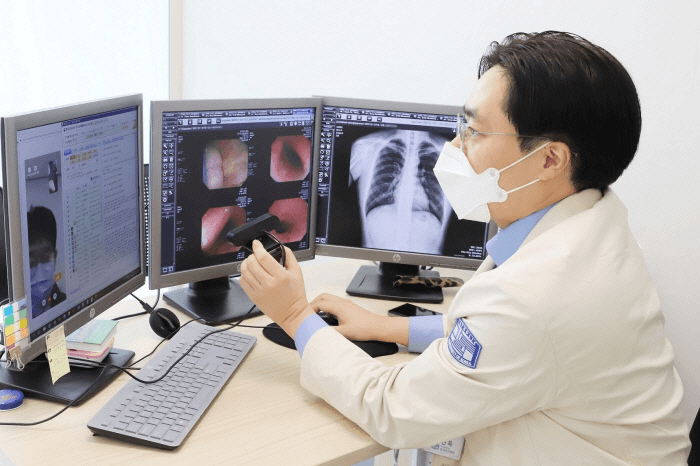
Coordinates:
(262, 416)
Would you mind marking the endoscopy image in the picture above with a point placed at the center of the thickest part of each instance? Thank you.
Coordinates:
(225, 163)
(216, 223)
(293, 214)
(401, 204)
(290, 158)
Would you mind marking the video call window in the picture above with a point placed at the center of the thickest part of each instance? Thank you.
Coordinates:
(222, 169)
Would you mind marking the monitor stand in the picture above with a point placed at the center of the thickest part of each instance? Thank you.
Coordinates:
(216, 301)
(35, 379)
(378, 282)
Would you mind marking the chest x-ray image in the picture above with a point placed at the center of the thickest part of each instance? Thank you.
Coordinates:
(401, 204)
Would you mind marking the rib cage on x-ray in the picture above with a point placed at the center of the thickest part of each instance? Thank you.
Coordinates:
(394, 171)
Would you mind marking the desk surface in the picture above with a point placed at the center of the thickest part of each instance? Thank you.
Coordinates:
(261, 416)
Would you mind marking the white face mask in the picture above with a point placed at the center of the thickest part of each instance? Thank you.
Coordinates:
(469, 192)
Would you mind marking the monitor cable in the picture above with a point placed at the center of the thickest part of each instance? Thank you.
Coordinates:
(147, 307)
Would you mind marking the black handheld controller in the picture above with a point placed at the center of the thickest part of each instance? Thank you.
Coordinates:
(258, 228)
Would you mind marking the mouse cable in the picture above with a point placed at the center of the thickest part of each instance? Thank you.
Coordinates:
(104, 367)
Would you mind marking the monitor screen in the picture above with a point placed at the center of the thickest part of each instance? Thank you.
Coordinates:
(73, 216)
(221, 164)
(378, 198)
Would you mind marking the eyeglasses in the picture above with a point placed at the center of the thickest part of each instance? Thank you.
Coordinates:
(467, 132)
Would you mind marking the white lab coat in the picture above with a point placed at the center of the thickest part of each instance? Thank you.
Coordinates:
(574, 366)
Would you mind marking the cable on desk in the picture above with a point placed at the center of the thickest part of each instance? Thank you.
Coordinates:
(88, 392)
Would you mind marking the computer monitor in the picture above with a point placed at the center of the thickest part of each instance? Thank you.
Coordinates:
(73, 221)
(216, 165)
(379, 200)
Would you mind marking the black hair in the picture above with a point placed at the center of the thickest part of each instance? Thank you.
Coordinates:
(41, 226)
(565, 88)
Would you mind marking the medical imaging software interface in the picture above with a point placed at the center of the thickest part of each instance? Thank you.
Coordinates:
(222, 169)
(377, 189)
(79, 195)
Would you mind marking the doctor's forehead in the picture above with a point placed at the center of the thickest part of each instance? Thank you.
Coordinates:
(485, 105)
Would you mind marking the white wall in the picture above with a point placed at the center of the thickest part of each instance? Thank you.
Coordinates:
(427, 51)
(56, 53)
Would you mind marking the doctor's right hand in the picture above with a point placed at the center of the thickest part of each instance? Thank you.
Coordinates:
(357, 323)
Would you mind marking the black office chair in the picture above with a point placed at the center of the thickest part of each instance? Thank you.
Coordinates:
(694, 458)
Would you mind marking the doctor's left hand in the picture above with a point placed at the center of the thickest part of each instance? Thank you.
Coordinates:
(278, 291)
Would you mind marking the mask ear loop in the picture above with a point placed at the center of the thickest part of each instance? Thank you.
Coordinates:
(520, 160)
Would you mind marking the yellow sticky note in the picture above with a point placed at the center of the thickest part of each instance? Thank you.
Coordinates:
(22, 323)
(10, 329)
(57, 354)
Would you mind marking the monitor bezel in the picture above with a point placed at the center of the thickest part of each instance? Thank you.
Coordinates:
(13, 235)
(394, 256)
(156, 278)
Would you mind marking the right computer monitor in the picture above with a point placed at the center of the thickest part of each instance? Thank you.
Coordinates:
(378, 198)
(215, 166)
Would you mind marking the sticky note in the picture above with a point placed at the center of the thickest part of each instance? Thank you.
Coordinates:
(10, 340)
(23, 314)
(9, 330)
(9, 320)
(25, 333)
(23, 323)
(57, 354)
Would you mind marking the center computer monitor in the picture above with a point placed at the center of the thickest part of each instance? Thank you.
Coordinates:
(216, 165)
(72, 180)
(379, 200)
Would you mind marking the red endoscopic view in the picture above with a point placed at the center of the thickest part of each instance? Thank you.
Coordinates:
(225, 163)
(216, 223)
(293, 214)
(290, 158)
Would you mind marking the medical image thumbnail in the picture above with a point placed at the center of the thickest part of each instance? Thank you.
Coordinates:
(216, 223)
(290, 158)
(402, 206)
(225, 163)
(293, 215)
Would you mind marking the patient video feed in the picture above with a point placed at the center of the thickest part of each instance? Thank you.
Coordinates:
(44, 236)
(227, 169)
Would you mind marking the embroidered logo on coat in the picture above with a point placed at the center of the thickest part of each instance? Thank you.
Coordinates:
(463, 345)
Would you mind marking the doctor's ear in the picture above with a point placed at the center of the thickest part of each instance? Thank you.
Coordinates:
(557, 160)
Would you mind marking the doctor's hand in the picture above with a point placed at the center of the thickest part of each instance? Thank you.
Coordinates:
(278, 291)
(357, 323)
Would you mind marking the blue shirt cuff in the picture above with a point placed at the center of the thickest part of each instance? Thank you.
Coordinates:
(306, 330)
(422, 331)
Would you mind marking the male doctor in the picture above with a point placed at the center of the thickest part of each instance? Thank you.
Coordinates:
(554, 352)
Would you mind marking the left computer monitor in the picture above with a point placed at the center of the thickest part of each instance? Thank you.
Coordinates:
(215, 166)
(73, 191)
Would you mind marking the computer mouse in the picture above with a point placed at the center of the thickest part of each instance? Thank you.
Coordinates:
(330, 319)
(164, 322)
